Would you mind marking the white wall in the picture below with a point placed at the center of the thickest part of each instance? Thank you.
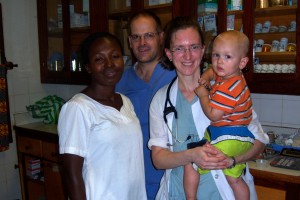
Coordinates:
(21, 46)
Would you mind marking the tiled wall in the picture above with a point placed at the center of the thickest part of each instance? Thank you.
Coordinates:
(278, 110)
(21, 45)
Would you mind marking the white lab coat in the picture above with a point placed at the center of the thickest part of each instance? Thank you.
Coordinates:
(161, 136)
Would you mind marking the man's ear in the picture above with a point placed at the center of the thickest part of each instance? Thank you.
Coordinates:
(243, 62)
(161, 37)
(129, 42)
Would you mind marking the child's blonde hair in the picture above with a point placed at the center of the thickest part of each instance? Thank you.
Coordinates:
(241, 39)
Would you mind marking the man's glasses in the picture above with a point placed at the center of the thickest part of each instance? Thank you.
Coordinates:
(147, 36)
(181, 50)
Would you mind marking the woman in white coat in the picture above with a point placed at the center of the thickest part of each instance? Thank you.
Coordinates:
(176, 119)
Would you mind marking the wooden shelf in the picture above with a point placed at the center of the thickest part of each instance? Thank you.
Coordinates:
(276, 56)
(291, 35)
(275, 11)
(271, 77)
(159, 6)
(124, 13)
(236, 13)
(55, 33)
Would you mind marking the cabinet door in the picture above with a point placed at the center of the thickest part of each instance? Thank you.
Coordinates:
(29, 146)
(50, 151)
(274, 70)
(62, 27)
(54, 186)
(31, 176)
(265, 193)
(215, 18)
(36, 190)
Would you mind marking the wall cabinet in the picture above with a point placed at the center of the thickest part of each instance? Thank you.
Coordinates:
(40, 170)
(268, 81)
(280, 81)
(63, 24)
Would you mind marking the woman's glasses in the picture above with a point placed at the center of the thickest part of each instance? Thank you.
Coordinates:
(180, 50)
(147, 36)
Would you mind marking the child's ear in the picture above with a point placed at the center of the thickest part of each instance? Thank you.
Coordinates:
(243, 62)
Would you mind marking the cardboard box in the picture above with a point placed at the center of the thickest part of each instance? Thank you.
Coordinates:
(207, 6)
(235, 5)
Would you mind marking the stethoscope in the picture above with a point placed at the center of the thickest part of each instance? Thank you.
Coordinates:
(170, 108)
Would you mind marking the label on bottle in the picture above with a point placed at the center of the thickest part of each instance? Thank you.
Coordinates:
(59, 16)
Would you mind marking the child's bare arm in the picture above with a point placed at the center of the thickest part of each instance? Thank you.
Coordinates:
(211, 113)
(209, 75)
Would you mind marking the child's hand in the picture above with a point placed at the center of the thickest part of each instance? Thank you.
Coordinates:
(205, 83)
(201, 91)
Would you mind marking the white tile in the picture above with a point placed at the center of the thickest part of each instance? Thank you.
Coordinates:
(21, 101)
(50, 88)
(271, 110)
(256, 95)
(291, 112)
(11, 173)
(291, 125)
(14, 189)
(21, 86)
(3, 190)
(256, 106)
(271, 96)
(10, 81)
(2, 171)
(33, 98)
(11, 153)
(35, 85)
(291, 97)
(271, 123)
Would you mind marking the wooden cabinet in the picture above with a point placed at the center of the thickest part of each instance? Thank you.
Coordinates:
(268, 82)
(276, 186)
(276, 82)
(38, 150)
(63, 24)
(59, 43)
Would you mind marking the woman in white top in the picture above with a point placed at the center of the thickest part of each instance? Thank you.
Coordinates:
(100, 137)
(176, 119)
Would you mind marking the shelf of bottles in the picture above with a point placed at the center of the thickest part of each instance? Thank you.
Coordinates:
(274, 49)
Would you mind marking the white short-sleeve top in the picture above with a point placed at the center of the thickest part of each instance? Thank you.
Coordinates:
(110, 141)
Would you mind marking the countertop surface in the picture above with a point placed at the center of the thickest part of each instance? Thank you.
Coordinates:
(52, 128)
(269, 168)
(40, 126)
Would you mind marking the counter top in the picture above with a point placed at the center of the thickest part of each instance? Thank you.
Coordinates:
(272, 169)
(274, 175)
(38, 130)
(39, 126)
